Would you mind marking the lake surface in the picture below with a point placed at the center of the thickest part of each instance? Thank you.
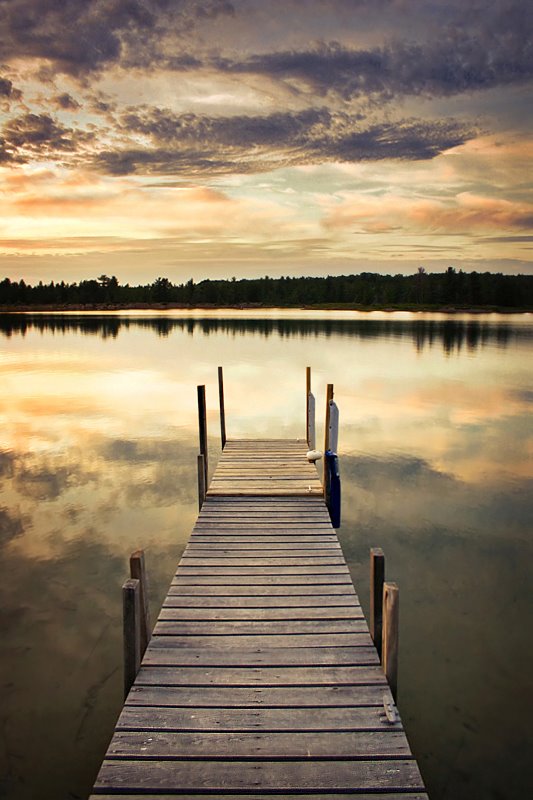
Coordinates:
(98, 443)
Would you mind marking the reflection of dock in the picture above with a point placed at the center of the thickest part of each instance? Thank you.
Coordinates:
(261, 677)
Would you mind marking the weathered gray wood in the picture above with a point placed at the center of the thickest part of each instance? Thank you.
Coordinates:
(184, 589)
(391, 621)
(319, 675)
(261, 678)
(296, 776)
(202, 430)
(165, 637)
(256, 696)
(377, 579)
(131, 604)
(307, 393)
(259, 746)
(274, 627)
(222, 407)
(260, 656)
(355, 795)
(157, 718)
(261, 603)
(138, 572)
(255, 615)
(201, 480)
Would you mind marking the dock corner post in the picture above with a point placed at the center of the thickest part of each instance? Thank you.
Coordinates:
(131, 603)
(138, 572)
(391, 619)
(201, 481)
(377, 579)
(307, 393)
(325, 481)
(202, 428)
(222, 408)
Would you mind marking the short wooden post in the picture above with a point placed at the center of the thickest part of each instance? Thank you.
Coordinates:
(307, 393)
(391, 618)
(377, 578)
(202, 427)
(325, 481)
(138, 571)
(131, 604)
(222, 409)
(201, 481)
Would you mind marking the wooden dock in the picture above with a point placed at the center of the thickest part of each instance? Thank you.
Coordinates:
(261, 678)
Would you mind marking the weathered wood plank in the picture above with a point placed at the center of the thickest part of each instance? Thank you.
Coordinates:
(156, 718)
(300, 604)
(319, 675)
(236, 776)
(165, 637)
(259, 746)
(293, 627)
(259, 656)
(254, 614)
(285, 587)
(330, 569)
(257, 696)
(230, 560)
(262, 796)
(251, 579)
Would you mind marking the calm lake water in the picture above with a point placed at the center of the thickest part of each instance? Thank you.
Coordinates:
(98, 444)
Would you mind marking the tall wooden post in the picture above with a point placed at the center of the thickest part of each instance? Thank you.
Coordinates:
(222, 409)
(325, 482)
(138, 572)
(202, 428)
(391, 620)
(307, 393)
(377, 578)
(201, 481)
(131, 604)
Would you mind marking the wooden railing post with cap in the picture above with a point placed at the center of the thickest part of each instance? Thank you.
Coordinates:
(202, 428)
(222, 409)
(377, 579)
(138, 572)
(391, 619)
(131, 603)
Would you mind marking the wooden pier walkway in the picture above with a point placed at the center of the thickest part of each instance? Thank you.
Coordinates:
(261, 678)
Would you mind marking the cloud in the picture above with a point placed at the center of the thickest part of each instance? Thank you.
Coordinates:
(466, 213)
(82, 36)
(66, 102)
(41, 135)
(203, 144)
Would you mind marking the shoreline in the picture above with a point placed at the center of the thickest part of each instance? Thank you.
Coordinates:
(97, 307)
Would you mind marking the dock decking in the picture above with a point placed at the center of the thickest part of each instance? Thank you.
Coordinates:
(261, 678)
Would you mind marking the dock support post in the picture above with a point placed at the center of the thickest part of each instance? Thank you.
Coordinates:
(202, 427)
(377, 578)
(222, 409)
(201, 481)
(307, 393)
(391, 618)
(138, 572)
(131, 603)
(325, 481)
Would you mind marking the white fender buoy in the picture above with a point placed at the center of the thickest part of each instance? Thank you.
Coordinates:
(314, 455)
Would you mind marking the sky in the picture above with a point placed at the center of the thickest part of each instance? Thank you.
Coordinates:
(221, 138)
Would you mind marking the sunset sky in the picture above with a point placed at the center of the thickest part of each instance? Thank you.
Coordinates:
(213, 138)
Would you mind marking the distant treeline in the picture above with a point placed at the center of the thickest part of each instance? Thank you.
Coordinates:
(450, 288)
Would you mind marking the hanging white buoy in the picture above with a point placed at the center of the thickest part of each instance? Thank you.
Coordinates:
(333, 437)
(314, 455)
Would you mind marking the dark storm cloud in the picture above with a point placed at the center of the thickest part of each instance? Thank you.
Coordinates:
(85, 35)
(66, 102)
(40, 133)
(457, 63)
(181, 142)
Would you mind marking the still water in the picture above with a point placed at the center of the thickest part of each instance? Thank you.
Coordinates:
(98, 446)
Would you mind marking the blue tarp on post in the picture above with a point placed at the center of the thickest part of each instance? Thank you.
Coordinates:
(334, 493)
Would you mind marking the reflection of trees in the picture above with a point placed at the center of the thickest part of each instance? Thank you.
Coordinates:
(453, 335)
